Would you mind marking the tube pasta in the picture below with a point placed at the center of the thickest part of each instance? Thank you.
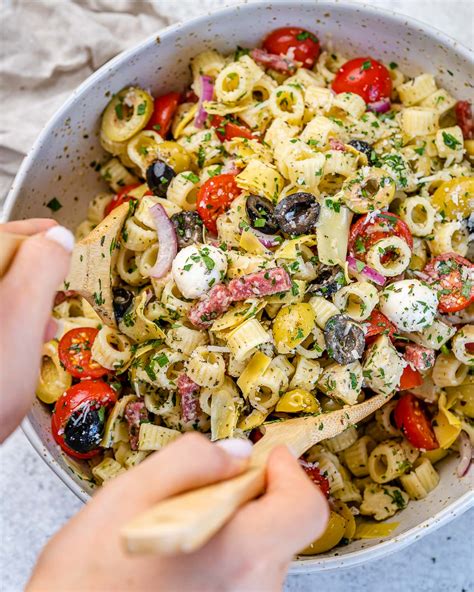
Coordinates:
(450, 237)
(96, 209)
(394, 266)
(206, 368)
(459, 345)
(53, 379)
(307, 373)
(356, 456)
(235, 82)
(286, 102)
(419, 482)
(185, 340)
(116, 175)
(450, 143)
(419, 215)
(415, 90)
(383, 416)
(224, 414)
(351, 103)
(387, 461)
(323, 310)
(448, 371)
(127, 267)
(434, 336)
(246, 337)
(107, 469)
(419, 121)
(272, 382)
(357, 300)
(342, 441)
(111, 349)
(154, 437)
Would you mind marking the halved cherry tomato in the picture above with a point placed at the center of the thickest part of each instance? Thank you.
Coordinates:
(453, 277)
(82, 402)
(75, 355)
(304, 46)
(317, 477)
(378, 324)
(412, 420)
(226, 128)
(365, 77)
(163, 112)
(410, 379)
(121, 197)
(464, 119)
(369, 229)
(214, 198)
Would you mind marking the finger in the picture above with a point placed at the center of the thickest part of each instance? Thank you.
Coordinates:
(291, 514)
(41, 263)
(28, 227)
(188, 463)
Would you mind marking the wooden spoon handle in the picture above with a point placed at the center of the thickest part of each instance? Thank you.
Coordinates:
(184, 523)
(9, 244)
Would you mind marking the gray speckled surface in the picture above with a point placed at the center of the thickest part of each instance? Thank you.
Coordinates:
(34, 502)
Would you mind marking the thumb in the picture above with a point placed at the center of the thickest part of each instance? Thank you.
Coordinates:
(190, 462)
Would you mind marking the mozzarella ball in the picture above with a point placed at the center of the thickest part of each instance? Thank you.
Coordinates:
(197, 268)
(409, 304)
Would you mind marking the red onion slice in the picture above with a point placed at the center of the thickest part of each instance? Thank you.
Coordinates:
(207, 92)
(271, 60)
(267, 240)
(360, 267)
(168, 243)
(465, 453)
(381, 106)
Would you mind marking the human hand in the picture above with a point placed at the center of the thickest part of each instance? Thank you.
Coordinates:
(26, 296)
(250, 553)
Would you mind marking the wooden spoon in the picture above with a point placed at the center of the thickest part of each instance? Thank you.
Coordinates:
(92, 261)
(184, 523)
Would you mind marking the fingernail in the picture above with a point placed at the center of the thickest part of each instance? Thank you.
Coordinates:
(62, 236)
(236, 447)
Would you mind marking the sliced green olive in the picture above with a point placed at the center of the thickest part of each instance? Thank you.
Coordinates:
(126, 114)
(177, 157)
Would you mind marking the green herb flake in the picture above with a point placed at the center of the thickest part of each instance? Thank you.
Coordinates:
(54, 205)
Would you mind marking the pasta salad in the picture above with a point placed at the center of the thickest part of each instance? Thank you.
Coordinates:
(296, 239)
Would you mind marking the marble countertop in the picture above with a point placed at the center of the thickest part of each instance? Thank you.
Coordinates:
(35, 503)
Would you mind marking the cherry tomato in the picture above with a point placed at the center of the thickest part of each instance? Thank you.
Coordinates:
(304, 46)
(214, 198)
(163, 111)
(316, 477)
(365, 77)
(369, 229)
(410, 379)
(453, 277)
(464, 119)
(121, 197)
(412, 420)
(83, 403)
(378, 324)
(74, 351)
(226, 129)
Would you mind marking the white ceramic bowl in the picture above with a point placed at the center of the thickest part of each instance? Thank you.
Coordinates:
(61, 164)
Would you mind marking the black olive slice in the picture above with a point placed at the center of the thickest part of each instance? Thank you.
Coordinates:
(84, 429)
(344, 338)
(260, 212)
(188, 227)
(366, 149)
(123, 298)
(328, 281)
(158, 176)
(297, 213)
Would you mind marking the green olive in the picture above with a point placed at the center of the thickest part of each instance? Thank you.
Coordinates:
(177, 157)
(126, 114)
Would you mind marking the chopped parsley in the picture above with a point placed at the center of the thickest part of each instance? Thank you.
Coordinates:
(450, 141)
(54, 205)
(141, 109)
(366, 65)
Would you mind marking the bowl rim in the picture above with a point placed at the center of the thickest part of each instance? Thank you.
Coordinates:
(298, 566)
